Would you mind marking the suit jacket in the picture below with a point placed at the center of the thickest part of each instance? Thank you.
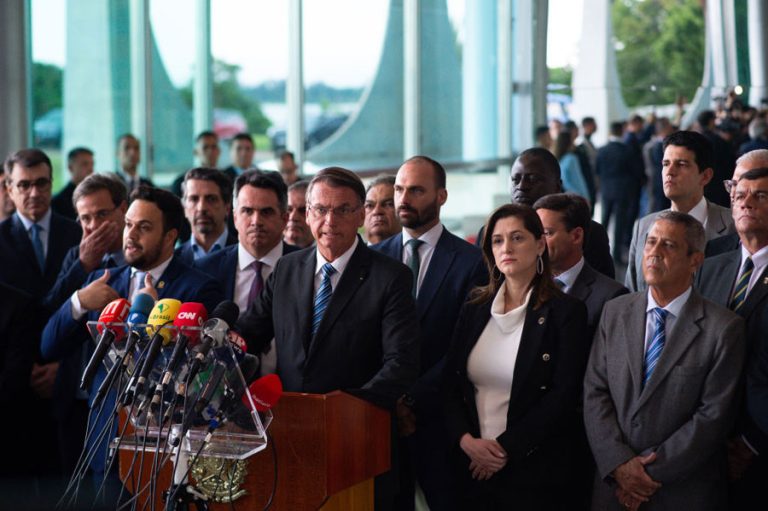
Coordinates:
(186, 253)
(722, 244)
(618, 170)
(594, 289)
(367, 342)
(542, 416)
(222, 266)
(683, 413)
(715, 282)
(61, 203)
(454, 269)
(719, 223)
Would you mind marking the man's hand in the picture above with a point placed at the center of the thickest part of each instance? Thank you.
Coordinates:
(149, 287)
(42, 378)
(627, 500)
(406, 419)
(740, 457)
(634, 480)
(487, 456)
(95, 245)
(97, 294)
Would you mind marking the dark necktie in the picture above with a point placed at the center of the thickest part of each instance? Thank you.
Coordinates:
(37, 245)
(323, 297)
(560, 283)
(740, 289)
(257, 284)
(657, 342)
(415, 262)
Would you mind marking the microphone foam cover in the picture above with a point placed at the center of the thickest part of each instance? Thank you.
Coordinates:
(265, 392)
(163, 313)
(140, 309)
(115, 311)
(191, 314)
(227, 311)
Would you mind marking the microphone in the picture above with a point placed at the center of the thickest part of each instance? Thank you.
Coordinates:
(162, 314)
(264, 393)
(115, 312)
(191, 314)
(214, 332)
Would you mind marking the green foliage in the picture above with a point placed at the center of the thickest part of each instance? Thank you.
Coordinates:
(561, 76)
(227, 93)
(658, 43)
(47, 89)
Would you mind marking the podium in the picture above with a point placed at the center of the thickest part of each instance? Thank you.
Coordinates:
(329, 447)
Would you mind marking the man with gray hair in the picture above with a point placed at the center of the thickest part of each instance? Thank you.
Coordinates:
(381, 221)
(758, 137)
(658, 405)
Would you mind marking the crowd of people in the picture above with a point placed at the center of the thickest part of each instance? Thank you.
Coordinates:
(521, 372)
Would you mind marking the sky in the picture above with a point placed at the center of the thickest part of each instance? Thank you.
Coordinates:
(340, 50)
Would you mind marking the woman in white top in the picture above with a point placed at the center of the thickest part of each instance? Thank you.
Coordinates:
(514, 375)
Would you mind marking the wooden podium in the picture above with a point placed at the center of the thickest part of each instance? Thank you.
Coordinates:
(329, 448)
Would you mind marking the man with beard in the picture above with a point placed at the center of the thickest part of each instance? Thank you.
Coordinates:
(152, 224)
(297, 230)
(381, 220)
(207, 199)
(445, 268)
(260, 218)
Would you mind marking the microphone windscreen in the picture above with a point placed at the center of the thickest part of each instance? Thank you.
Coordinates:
(191, 314)
(140, 309)
(265, 392)
(116, 311)
(227, 311)
(163, 313)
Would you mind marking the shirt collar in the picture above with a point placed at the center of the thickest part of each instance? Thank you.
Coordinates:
(759, 258)
(156, 272)
(340, 263)
(569, 276)
(245, 258)
(672, 307)
(220, 242)
(699, 211)
(44, 223)
(431, 237)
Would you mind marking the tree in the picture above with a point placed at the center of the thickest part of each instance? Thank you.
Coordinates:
(659, 44)
(47, 88)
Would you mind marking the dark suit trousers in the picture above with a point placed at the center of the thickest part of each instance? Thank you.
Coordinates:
(619, 209)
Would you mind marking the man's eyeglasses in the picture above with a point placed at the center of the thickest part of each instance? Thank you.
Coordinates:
(729, 184)
(101, 214)
(42, 184)
(322, 211)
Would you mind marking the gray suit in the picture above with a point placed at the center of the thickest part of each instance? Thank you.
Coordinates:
(685, 411)
(594, 289)
(719, 223)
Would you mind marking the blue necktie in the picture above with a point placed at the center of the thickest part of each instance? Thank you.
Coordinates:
(37, 245)
(323, 297)
(657, 343)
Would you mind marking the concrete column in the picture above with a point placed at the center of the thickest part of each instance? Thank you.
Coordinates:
(295, 83)
(141, 82)
(15, 68)
(202, 102)
(504, 124)
(757, 20)
(411, 79)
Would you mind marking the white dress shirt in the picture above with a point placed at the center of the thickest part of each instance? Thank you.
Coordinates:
(569, 276)
(673, 312)
(340, 264)
(245, 273)
(430, 239)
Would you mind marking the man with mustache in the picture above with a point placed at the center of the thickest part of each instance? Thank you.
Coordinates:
(297, 231)
(445, 268)
(686, 170)
(260, 219)
(381, 220)
(207, 199)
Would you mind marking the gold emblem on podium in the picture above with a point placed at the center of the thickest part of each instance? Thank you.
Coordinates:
(220, 479)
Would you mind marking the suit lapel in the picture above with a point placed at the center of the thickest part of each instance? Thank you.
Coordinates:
(25, 244)
(582, 286)
(633, 322)
(682, 335)
(442, 258)
(756, 295)
(305, 289)
(230, 262)
(727, 273)
(530, 341)
(715, 225)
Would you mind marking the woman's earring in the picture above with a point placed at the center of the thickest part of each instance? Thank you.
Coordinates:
(539, 265)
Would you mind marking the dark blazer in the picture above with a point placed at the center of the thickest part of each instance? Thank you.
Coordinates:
(594, 289)
(186, 253)
(367, 342)
(722, 244)
(61, 203)
(619, 170)
(455, 268)
(18, 264)
(542, 418)
(222, 266)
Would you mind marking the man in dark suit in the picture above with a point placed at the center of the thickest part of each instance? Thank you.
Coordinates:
(101, 203)
(206, 153)
(661, 384)
(297, 232)
(748, 161)
(241, 152)
(620, 177)
(151, 226)
(244, 267)
(32, 245)
(536, 173)
(739, 279)
(687, 168)
(128, 158)
(6, 204)
(381, 219)
(207, 199)
(724, 158)
(445, 268)
(80, 165)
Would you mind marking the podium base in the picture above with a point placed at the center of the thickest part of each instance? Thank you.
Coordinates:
(358, 497)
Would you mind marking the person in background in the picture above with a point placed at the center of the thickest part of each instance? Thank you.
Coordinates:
(297, 231)
(570, 168)
(80, 166)
(381, 221)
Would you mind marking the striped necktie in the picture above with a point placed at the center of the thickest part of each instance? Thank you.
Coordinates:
(740, 289)
(656, 344)
(323, 297)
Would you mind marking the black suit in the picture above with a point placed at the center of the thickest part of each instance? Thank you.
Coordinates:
(367, 342)
(542, 418)
(722, 244)
(594, 289)
(61, 203)
(186, 253)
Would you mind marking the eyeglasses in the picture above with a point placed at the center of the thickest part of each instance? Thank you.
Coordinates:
(322, 211)
(729, 184)
(101, 214)
(42, 184)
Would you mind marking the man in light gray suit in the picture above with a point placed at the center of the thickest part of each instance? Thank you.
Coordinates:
(661, 383)
(686, 169)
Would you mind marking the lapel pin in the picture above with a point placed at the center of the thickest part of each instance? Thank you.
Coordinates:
(161, 284)
(545, 357)
(765, 280)
(541, 320)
